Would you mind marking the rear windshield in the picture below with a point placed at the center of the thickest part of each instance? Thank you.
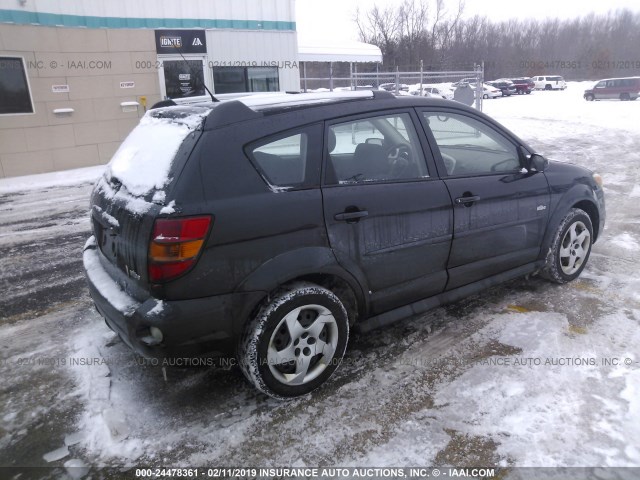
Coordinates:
(143, 162)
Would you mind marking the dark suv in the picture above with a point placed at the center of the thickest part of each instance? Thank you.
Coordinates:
(523, 85)
(264, 229)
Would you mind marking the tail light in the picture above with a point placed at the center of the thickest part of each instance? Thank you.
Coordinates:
(175, 246)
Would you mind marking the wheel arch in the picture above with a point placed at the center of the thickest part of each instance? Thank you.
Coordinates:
(352, 302)
(570, 201)
(592, 210)
(311, 264)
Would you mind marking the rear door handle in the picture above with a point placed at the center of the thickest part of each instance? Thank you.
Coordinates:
(353, 216)
(467, 200)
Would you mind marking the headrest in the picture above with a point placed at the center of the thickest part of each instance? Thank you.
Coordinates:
(332, 140)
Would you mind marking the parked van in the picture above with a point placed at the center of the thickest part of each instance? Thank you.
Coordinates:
(549, 82)
(612, 88)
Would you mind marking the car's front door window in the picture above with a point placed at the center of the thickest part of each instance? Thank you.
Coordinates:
(469, 147)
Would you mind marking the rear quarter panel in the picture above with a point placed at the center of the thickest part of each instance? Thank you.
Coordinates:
(253, 222)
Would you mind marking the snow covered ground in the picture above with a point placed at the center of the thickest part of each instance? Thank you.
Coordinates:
(525, 374)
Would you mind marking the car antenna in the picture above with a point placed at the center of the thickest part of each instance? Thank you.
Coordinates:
(213, 99)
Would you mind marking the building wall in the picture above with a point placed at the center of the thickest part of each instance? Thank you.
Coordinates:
(92, 62)
(240, 14)
(92, 47)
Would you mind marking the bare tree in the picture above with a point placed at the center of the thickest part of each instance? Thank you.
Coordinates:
(412, 20)
(442, 31)
(588, 47)
(380, 27)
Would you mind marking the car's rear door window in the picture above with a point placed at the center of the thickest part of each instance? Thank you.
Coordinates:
(287, 159)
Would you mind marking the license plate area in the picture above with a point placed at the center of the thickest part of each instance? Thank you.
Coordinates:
(107, 239)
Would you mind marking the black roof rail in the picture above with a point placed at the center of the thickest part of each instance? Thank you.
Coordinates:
(163, 103)
(232, 111)
(382, 94)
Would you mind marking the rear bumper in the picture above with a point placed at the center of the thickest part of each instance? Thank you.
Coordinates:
(190, 328)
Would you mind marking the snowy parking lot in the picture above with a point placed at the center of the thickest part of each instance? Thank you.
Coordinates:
(525, 374)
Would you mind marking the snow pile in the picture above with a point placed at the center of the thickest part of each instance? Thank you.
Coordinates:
(49, 180)
(103, 427)
(574, 407)
(558, 115)
(129, 414)
(625, 241)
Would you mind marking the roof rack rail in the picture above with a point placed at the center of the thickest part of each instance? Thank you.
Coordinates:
(232, 111)
(163, 103)
(382, 94)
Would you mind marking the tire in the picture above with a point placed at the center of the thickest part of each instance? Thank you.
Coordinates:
(485, 96)
(625, 97)
(278, 352)
(589, 97)
(548, 87)
(571, 247)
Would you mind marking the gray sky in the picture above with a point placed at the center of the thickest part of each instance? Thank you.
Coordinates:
(332, 19)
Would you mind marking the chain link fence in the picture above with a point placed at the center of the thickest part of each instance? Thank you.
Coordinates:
(421, 83)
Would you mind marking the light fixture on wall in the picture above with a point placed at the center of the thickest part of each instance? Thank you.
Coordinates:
(129, 106)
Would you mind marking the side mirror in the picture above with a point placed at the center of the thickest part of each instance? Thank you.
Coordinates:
(537, 162)
(534, 162)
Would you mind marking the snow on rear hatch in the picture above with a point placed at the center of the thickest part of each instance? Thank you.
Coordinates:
(143, 162)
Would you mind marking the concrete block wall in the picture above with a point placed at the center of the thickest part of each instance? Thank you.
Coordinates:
(93, 63)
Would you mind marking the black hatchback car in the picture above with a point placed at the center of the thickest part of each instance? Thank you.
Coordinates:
(265, 229)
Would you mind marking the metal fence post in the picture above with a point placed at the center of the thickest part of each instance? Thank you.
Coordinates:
(355, 71)
(331, 76)
(351, 76)
(304, 73)
(397, 80)
(479, 85)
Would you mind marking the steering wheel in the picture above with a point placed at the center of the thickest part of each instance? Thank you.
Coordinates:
(399, 157)
(494, 168)
(396, 152)
(449, 162)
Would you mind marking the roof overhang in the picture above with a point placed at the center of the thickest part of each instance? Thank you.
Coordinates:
(310, 51)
